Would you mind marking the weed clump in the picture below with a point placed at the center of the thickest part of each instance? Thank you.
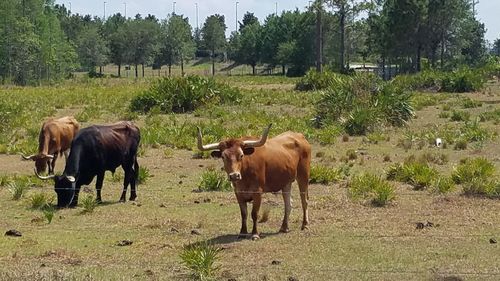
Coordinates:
(200, 259)
(213, 180)
(184, 94)
(88, 204)
(371, 187)
(477, 177)
(324, 175)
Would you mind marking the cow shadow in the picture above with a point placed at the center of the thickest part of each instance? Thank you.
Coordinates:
(227, 239)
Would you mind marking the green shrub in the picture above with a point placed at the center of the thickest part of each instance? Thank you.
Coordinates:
(470, 103)
(444, 114)
(40, 201)
(324, 175)
(427, 80)
(472, 169)
(143, 175)
(314, 80)
(419, 175)
(88, 203)
(371, 187)
(459, 116)
(48, 213)
(184, 94)
(479, 186)
(200, 258)
(363, 101)
(443, 185)
(462, 81)
(17, 189)
(213, 180)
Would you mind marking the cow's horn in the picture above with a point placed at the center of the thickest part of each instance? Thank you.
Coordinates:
(261, 142)
(44, 177)
(28, 157)
(48, 156)
(207, 147)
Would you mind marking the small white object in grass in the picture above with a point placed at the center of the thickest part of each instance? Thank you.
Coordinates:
(439, 142)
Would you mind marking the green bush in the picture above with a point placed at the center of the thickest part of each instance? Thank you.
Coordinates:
(427, 80)
(485, 187)
(213, 180)
(88, 204)
(371, 187)
(473, 169)
(48, 213)
(17, 189)
(324, 175)
(40, 201)
(459, 116)
(419, 175)
(462, 81)
(200, 258)
(184, 94)
(443, 185)
(361, 102)
(143, 175)
(314, 80)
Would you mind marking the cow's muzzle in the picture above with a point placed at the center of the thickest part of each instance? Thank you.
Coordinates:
(236, 176)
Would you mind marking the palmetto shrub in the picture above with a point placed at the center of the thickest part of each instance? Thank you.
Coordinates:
(183, 94)
(368, 186)
(361, 102)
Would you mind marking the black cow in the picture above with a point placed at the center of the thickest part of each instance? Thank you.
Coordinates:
(94, 151)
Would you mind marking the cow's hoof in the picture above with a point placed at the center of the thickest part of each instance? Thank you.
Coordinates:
(255, 237)
(284, 230)
(304, 227)
(98, 201)
(132, 198)
(122, 200)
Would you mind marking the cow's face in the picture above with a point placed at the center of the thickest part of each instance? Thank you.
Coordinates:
(65, 190)
(232, 154)
(41, 164)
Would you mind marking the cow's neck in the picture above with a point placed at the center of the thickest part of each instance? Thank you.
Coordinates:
(73, 164)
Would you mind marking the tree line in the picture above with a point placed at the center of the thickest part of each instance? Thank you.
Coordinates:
(41, 41)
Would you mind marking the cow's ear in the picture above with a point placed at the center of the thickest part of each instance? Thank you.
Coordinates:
(216, 154)
(248, 150)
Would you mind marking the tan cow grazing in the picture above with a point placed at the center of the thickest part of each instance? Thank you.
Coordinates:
(258, 166)
(54, 139)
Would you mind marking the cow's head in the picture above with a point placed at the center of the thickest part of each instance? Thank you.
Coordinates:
(41, 161)
(64, 186)
(233, 151)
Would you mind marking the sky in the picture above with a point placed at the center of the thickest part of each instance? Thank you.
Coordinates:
(488, 11)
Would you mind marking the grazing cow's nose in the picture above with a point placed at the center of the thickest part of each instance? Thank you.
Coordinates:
(236, 176)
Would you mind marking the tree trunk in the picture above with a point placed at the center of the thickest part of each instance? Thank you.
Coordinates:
(213, 63)
(182, 66)
(283, 69)
(169, 70)
(442, 50)
(418, 62)
(159, 71)
(342, 37)
(319, 43)
(136, 72)
(119, 70)
(253, 69)
(142, 70)
(100, 69)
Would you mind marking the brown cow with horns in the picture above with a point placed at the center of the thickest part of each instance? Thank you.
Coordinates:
(54, 139)
(258, 166)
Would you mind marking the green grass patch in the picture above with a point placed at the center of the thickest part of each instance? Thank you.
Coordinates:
(213, 180)
(370, 187)
(325, 175)
(201, 259)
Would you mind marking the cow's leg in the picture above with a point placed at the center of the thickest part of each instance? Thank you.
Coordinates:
(304, 196)
(286, 192)
(257, 199)
(52, 164)
(66, 154)
(74, 202)
(98, 186)
(129, 174)
(244, 215)
(133, 179)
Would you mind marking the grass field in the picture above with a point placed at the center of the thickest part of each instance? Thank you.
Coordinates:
(421, 235)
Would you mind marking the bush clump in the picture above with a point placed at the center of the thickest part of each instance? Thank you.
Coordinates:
(200, 259)
(314, 81)
(324, 175)
(183, 94)
(361, 102)
(477, 177)
(462, 81)
(371, 187)
(213, 180)
(420, 175)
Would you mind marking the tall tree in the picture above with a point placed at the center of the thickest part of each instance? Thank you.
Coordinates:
(249, 45)
(92, 49)
(214, 38)
(177, 41)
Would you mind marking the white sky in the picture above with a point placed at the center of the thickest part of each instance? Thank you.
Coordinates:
(488, 10)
